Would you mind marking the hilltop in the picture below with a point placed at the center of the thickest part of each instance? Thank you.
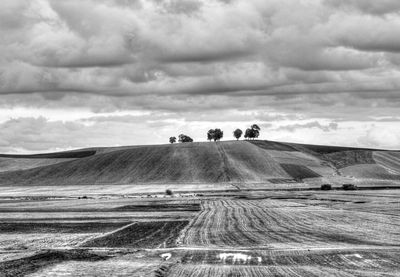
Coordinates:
(200, 162)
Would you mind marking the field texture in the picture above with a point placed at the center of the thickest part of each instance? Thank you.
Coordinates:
(248, 208)
(276, 223)
(270, 233)
(388, 160)
(141, 235)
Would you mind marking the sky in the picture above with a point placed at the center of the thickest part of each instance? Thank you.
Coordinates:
(83, 73)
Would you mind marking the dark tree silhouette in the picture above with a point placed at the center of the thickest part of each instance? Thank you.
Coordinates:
(184, 138)
(237, 134)
(248, 133)
(215, 134)
(256, 133)
(218, 134)
(172, 139)
(210, 134)
(252, 132)
(256, 130)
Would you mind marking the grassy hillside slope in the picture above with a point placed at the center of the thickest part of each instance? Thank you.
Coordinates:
(10, 162)
(360, 163)
(203, 162)
(193, 162)
(389, 160)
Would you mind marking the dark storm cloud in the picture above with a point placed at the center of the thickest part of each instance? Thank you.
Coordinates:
(121, 49)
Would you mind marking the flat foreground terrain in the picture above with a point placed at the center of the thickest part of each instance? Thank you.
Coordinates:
(304, 233)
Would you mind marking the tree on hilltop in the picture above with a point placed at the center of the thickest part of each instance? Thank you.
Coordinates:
(218, 134)
(184, 138)
(248, 133)
(215, 134)
(172, 140)
(210, 134)
(252, 132)
(237, 134)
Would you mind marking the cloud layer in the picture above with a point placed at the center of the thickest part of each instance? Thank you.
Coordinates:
(292, 64)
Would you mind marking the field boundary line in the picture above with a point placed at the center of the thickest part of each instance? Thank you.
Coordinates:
(108, 233)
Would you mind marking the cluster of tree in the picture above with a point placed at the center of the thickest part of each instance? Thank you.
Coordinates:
(182, 138)
(215, 134)
(252, 132)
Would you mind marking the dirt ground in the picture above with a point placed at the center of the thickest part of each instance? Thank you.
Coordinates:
(214, 233)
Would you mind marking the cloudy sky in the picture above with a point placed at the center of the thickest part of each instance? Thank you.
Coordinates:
(82, 73)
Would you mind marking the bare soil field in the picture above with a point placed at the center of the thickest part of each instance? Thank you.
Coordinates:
(275, 223)
(141, 235)
(252, 233)
(236, 209)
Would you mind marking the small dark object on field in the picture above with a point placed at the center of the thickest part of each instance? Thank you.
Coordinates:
(83, 197)
(326, 187)
(169, 192)
(349, 187)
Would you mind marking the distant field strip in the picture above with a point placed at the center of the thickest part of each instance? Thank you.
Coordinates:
(296, 263)
(279, 224)
(318, 166)
(369, 171)
(167, 207)
(272, 145)
(299, 171)
(58, 227)
(12, 164)
(348, 158)
(56, 155)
